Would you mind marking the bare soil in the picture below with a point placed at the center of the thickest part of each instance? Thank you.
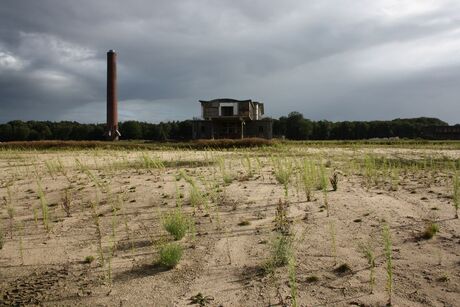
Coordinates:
(225, 256)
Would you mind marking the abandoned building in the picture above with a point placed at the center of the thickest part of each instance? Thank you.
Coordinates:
(232, 119)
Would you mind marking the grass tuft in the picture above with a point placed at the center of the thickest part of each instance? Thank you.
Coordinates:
(342, 269)
(176, 223)
(170, 255)
(312, 279)
(430, 231)
(88, 259)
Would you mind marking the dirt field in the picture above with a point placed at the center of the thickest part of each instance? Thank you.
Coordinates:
(85, 227)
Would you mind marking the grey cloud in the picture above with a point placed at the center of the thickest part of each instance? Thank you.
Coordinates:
(325, 59)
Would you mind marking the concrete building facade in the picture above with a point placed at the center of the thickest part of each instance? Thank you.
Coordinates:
(232, 119)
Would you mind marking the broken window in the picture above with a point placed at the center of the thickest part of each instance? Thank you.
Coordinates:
(227, 111)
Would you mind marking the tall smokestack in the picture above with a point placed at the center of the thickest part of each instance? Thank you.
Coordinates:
(112, 132)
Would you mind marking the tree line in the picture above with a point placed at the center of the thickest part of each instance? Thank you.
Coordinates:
(294, 127)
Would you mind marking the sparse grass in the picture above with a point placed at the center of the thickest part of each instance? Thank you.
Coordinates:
(281, 220)
(150, 162)
(200, 184)
(292, 279)
(368, 252)
(197, 198)
(387, 244)
(21, 241)
(283, 169)
(456, 194)
(44, 207)
(308, 177)
(333, 235)
(334, 180)
(66, 202)
(176, 223)
(281, 250)
(323, 185)
(97, 224)
(227, 176)
(2, 238)
(170, 254)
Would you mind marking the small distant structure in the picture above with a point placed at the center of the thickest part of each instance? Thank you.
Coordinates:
(442, 132)
(111, 131)
(226, 118)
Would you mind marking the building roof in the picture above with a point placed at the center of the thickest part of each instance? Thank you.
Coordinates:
(227, 100)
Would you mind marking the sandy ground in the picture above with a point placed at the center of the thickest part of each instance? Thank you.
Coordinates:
(223, 260)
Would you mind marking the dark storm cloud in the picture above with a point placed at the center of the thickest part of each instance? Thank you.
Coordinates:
(337, 60)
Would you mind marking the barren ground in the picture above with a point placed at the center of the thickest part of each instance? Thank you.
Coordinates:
(225, 259)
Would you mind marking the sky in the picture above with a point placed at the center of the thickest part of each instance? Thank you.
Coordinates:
(333, 60)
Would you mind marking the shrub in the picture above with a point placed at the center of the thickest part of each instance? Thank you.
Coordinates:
(177, 224)
(170, 255)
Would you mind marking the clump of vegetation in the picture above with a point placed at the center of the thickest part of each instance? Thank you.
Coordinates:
(308, 177)
(88, 259)
(456, 194)
(333, 234)
(226, 176)
(430, 231)
(151, 162)
(444, 278)
(244, 223)
(97, 224)
(334, 180)
(196, 196)
(283, 172)
(342, 269)
(200, 299)
(323, 185)
(2, 239)
(292, 280)
(281, 249)
(388, 258)
(312, 279)
(248, 165)
(368, 252)
(170, 255)
(176, 223)
(66, 202)
(45, 208)
(281, 220)
(21, 243)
